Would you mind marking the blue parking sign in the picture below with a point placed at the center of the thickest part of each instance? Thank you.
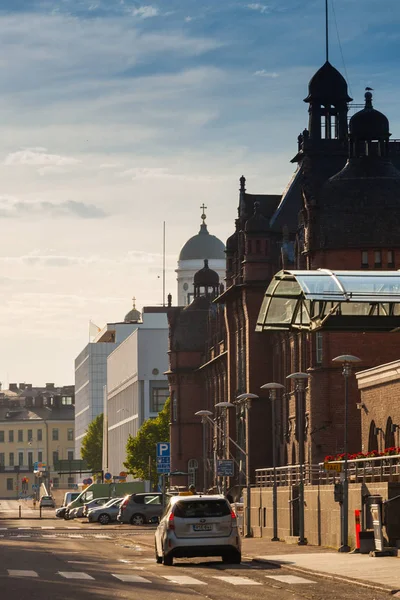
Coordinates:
(163, 457)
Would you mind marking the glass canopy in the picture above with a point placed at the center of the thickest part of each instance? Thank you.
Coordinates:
(332, 300)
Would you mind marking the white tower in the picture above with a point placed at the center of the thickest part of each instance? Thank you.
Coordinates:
(191, 259)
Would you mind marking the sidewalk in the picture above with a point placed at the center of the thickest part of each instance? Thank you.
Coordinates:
(381, 573)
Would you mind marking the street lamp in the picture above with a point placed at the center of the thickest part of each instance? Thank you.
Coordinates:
(224, 406)
(300, 380)
(347, 361)
(246, 399)
(272, 388)
(204, 414)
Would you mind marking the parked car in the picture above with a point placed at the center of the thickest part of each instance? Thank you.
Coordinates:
(105, 514)
(138, 509)
(79, 511)
(198, 526)
(47, 501)
(60, 512)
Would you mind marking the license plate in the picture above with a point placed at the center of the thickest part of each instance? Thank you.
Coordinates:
(202, 527)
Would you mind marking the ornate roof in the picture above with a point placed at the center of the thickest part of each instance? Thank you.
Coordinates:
(206, 276)
(133, 316)
(368, 123)
(327, 86)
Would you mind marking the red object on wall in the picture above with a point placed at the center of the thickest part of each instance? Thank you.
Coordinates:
(358, 528)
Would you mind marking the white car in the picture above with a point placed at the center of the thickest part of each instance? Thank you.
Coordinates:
(198, 526)
(81, 511)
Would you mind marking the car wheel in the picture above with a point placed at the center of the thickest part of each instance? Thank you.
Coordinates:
(158, 558)
(104, 519)
(233, 558)
(168, 560)
(66, 516)
(137, 519)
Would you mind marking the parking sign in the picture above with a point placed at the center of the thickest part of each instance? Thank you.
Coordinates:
(163, 457)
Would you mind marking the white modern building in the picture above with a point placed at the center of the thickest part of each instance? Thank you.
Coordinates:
(137, 386)
(91, 372)
(191, 259)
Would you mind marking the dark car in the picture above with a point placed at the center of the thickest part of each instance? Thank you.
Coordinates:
(138, 509)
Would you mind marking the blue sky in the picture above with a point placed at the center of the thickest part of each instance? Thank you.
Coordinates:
(118, 114)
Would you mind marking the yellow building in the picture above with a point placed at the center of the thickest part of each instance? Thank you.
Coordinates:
(36, 426)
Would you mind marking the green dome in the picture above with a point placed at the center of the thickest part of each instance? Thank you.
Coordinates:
(203, 245)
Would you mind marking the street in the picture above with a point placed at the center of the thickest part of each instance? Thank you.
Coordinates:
(76, 561)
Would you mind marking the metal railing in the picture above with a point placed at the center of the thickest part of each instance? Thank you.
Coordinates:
(360, 470)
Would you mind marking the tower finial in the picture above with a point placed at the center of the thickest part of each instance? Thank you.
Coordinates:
(134, 302)
(203, 216)
(242, 183)
(368, 99)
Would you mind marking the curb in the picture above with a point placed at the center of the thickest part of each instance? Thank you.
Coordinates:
(371, 586)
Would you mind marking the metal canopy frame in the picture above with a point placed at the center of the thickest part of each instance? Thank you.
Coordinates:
(332, 301)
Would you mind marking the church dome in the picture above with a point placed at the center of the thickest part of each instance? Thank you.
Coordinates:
(206, 276)
(327, 86)
(134, 315)
(368, 123)
(203, 245)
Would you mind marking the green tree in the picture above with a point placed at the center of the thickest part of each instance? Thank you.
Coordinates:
(92, 445)
(143, 446)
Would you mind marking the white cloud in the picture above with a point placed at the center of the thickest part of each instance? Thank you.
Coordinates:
(13, 208)
(38, 156)
(146, 12)
(262, 8)
(264, 73)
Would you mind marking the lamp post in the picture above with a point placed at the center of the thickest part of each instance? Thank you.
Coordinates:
(272, 388)
(246, 399)
(224, 406)
(204, 414)
(300, 380)
(347, 361)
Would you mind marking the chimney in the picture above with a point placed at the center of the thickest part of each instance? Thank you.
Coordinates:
(49, 386)
(13, 387)
(21, 386)
(39, 401)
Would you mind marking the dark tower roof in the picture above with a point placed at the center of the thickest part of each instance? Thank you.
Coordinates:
(327, 86)
(257, 222)
(206, 276)
(368, 123)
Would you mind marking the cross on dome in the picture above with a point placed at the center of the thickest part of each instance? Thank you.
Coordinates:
(203, 216)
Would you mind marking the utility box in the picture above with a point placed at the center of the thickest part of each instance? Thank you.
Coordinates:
(338, 492)
(367, 542)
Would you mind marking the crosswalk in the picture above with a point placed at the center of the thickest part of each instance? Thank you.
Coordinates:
(17, 536)
(149, 579)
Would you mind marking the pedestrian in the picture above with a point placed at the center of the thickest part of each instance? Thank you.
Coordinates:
(192, 489)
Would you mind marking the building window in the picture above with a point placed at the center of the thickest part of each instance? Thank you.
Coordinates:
(20, 459)
(1, 436)
(318, 347)
(174, 409)
(10, 484)
(30, 459)
(40, 456)
(11, 435)
(390, 258)
(39, 435)
(158, 398)
(11, 459)
(364, 259)
(55, 435)
(30, 435)
(2, 459)
(377, 258)
(56, 482)
(20, 435)
(71, 482)
(70, 455)
(258, 246)
(55, 458)
(70, 435)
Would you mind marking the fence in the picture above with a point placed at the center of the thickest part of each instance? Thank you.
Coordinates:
(360, 470)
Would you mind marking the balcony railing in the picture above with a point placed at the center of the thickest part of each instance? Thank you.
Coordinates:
(360, 470)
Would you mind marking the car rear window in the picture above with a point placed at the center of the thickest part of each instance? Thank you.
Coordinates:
(201, 508)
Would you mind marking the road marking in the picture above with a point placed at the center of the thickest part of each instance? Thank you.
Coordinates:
(24, 536)
(131, 578)
(17, 573)
(53, 537)
(290, 579)
(237, 580)
(74, 575)
(184, 580)
(47, 528)
(3, 528)
(24, 528)
(81, 562)
(108, 537)
(68, 527)
(75, 536)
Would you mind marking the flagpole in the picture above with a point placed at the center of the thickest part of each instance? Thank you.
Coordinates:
(326, 30)
(163, 283)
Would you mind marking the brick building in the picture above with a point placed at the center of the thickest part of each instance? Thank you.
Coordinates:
(341, 210)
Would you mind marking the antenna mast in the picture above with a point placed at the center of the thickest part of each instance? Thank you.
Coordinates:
(326, 31)
(163, 274)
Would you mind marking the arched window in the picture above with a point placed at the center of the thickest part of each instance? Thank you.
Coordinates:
(389, 434)
(372, 438)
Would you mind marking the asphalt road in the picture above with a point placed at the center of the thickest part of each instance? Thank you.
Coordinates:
(95, 562)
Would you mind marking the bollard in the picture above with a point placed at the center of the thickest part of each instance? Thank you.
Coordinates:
(19, 511)
(358, 528)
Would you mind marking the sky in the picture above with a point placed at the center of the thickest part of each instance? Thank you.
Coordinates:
(117, 115)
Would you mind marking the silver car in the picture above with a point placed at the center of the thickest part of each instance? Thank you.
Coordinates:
(106, 513)
(81, 511)
(198, 526)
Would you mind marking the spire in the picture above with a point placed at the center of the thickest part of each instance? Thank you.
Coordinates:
(203, 226)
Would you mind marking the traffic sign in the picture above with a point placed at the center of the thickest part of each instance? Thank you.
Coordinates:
(163, 457)
(163, 449)
(225, 468)
(107, 476)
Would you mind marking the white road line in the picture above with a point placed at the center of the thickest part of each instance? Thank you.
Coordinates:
(49, 536)
(17, 573)
(3, 528)
(184, 580)
(47, 528)
(108, 537)
(131, 578)
(24, 528)
(24, 536)
(237, 580)
(71, 527)
(290, 579)
(75, 536)
(74, 575)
